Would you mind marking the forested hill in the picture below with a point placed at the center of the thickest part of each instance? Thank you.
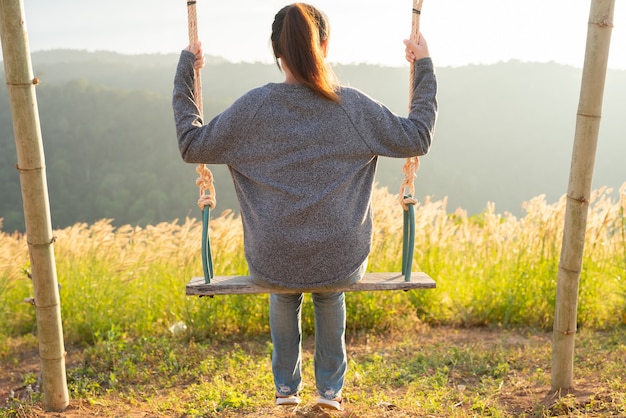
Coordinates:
(504, 134)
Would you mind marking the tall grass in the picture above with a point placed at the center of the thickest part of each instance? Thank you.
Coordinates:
(490, 269)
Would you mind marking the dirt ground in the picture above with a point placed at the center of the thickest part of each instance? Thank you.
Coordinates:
(519, 401)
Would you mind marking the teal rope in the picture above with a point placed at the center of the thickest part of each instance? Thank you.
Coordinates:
(207, 259)
(408, 241)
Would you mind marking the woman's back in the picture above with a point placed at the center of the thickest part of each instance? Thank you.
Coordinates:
(303, 154)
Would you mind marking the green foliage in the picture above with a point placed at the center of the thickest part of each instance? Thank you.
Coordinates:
(503, 135)
(427, 371)
(18, 316)
(491, 270)
(117, 360)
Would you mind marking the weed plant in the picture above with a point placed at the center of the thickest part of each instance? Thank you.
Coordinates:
(490, 269)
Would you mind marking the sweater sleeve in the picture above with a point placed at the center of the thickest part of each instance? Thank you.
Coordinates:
(215, 141)
(390, 135)
(186, 113)
(424, 106)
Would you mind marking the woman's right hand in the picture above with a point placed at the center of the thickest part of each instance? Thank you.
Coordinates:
(196, 49)
(416, 50)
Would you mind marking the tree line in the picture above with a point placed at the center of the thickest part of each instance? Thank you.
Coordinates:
(504, 134)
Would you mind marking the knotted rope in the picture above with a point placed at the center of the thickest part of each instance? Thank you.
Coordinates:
(205, 181)
(407, 188)
(410, 167)
(205, 184)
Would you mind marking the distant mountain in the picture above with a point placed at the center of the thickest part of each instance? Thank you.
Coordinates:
(504, 134)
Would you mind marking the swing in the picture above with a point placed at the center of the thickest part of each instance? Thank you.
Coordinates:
(211, 285)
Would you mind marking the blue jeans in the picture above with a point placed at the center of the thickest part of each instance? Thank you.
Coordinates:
(330, 358)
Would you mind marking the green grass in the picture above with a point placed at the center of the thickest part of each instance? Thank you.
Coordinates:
(426, 372)
(122, 290)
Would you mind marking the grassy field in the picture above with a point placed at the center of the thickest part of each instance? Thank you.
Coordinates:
(478, 345)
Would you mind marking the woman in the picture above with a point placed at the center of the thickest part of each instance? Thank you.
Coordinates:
(302, 155)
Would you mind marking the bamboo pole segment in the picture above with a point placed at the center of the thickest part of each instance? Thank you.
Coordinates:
(579, 191)
(31, 167)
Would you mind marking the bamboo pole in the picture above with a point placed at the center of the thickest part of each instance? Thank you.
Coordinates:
(579, 191)
(31, 167)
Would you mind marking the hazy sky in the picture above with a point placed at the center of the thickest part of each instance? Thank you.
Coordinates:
(459, 32)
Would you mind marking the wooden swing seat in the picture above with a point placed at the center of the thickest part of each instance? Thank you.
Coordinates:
(243, 285)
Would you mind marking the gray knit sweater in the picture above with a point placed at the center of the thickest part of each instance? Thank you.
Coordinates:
(303, 168)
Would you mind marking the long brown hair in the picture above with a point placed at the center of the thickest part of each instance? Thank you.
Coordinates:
(298, 32)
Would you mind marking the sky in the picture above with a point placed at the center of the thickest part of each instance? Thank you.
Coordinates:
(459, 32)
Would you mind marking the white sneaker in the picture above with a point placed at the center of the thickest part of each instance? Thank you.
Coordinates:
(334, 404)
(288, 400)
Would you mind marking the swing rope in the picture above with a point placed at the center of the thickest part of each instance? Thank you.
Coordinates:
(408, 202)
(207, 200)
(410, 167)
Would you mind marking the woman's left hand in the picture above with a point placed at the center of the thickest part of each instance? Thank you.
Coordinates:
(416, 50)
(196, 49)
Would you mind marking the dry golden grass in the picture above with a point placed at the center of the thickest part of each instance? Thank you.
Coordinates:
(13, 255)
(489, 268)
